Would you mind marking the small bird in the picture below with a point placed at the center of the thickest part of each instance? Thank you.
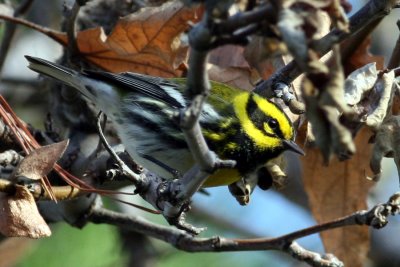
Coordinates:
(236, 124)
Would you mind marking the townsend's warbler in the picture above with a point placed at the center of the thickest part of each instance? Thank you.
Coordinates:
(236, 124)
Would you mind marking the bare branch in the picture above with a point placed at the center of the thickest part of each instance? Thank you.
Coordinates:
(55, 35)
(264, 13)
(312, 258)
(376, 217)
(60, 192)
(136, 178)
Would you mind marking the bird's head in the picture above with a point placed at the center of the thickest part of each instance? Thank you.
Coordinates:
(265, 124)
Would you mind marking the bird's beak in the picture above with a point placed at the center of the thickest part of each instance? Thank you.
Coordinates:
(292, 146)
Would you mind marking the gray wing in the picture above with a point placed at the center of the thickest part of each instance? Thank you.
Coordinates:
(144, 84)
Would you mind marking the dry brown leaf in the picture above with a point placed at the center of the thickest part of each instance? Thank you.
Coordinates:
(337, 190)
(360, 55)
(145, 42)
(228, 56)
(228, 65)
(238, 77)
(40, 161)
(20, 217)
(385, 86)
(360, 82)
(265, 55)
(275, 169)
(290, 27)
(324, 99)
(148, 41)
(337, 13)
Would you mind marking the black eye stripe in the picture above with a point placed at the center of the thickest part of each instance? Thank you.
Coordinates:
(256, 116)
(251, 106)
(259, 118)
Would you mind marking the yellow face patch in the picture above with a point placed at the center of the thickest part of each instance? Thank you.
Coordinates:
(273, 111)
(259, 137)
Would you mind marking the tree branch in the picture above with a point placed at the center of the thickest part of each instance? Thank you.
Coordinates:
(373, 10)
(376, 217)
(264, 13)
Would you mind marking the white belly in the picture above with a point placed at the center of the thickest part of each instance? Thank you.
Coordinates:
(142, 143)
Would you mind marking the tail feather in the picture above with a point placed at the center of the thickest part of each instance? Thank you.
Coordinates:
(61, 73)
(101, 93)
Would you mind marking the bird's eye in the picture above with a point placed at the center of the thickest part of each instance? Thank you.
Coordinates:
(273, 124)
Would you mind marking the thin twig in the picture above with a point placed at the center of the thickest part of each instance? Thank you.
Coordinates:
(136, 178)
(313, 258)
(264, 13)
(376, 217)
(55, 35)
(371, 11)
(60, 192)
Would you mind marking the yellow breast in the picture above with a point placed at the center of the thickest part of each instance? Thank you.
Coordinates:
(222, 177)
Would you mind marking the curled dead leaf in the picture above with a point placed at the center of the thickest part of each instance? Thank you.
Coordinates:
(332, 93)
(324, 98)
(228, 56)
(239, 77)
(20, 217)
(270, 175)
(241, 191)
(336, 9)
(387, 144)
(359, 82)
(40, 161)
(385, 86)
(148, 41)
(289, 25)
(338, 15)
(297, 27)
(275, 169)
(370, 94)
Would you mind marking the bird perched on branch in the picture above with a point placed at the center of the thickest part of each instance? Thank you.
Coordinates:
(236, 124)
